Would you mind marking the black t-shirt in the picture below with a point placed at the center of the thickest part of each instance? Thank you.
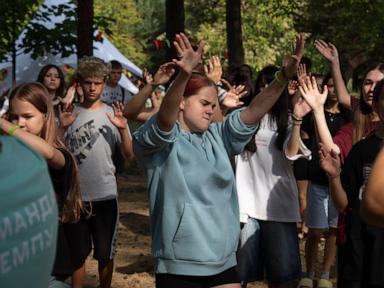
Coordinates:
(61, 180)
(334, 122)
(364, 249)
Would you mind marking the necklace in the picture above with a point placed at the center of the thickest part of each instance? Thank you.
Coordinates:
(331, 116)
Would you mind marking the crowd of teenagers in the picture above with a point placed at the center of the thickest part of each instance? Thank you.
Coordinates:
(238, 172)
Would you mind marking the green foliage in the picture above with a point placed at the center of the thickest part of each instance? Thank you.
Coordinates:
(122, 27)
(354, 26)
(14, 18)
(267, 27)
(41, 38)
(152, 27)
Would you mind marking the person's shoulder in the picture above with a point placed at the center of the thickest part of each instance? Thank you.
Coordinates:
(366, 146)
(106, 108)
(14, 149)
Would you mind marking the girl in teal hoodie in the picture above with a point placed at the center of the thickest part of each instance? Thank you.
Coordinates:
(192, 192)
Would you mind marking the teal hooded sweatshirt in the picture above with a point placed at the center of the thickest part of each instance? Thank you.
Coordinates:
(28, 217)
(192, 194)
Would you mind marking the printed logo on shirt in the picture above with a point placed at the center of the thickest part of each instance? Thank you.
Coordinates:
(111, 96)
(23, 221)
(82, 140)
(366, 172)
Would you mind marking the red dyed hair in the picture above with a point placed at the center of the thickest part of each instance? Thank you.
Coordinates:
(196, 82)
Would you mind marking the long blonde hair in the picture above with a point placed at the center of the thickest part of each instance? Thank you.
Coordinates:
(36, 94)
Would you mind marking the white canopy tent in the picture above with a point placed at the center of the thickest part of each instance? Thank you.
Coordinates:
(28, 68)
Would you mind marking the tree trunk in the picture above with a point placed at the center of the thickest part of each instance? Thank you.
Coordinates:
(234, 34)
(85, 28)
(174, 16)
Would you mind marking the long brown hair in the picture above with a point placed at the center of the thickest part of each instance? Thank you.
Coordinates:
(363, 113)
(40, 78)
(36, 94)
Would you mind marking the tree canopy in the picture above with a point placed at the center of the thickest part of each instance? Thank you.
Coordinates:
(137, 28)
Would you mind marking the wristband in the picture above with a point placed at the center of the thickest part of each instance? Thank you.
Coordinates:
(279, 79)
(12, 130)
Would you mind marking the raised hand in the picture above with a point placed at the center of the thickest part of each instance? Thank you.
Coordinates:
(301, 72)
(214, 70)
(147, 76)
(293, 87)
(328, 50)
(294, 60)
(329, 161)
(310, 92)
(233, 96)
(118, 119)
(69, 97)
(189, 58)
(66, 116)
(300, 106)
(164, 74)
(156, 100)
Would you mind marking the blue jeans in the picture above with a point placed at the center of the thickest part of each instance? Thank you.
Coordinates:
(268, 246)
(321, 212)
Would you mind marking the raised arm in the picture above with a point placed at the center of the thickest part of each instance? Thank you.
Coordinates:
(372, 204)
(53, 156)
(137, 103)
(316, 100)
(213, 69)
(169, 108)
(264, 101)
(329, 52)
(300, 109)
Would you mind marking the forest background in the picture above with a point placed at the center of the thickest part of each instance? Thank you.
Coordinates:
(255, 32)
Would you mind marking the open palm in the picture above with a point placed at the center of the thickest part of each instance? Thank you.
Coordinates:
(118, 119)
(310, 92)
(328, 50)
(329, 161)
(232, 98)
(66, 116)
(189, 58)
(164, 73)
(301, 107)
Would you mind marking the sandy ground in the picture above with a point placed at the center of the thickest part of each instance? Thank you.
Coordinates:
(133, 262)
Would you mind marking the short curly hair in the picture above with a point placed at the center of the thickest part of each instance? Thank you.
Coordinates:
(90, 66)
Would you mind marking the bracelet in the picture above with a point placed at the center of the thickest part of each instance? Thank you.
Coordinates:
(294, 117)
(12, 130)
(298, 123)
(334, 176)
(279, 79)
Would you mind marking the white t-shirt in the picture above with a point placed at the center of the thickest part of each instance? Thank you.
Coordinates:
(111, 94)
(265, 182)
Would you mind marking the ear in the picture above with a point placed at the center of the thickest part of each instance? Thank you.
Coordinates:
(182, 104)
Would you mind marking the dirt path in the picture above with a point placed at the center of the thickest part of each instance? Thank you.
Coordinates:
(133, 262)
